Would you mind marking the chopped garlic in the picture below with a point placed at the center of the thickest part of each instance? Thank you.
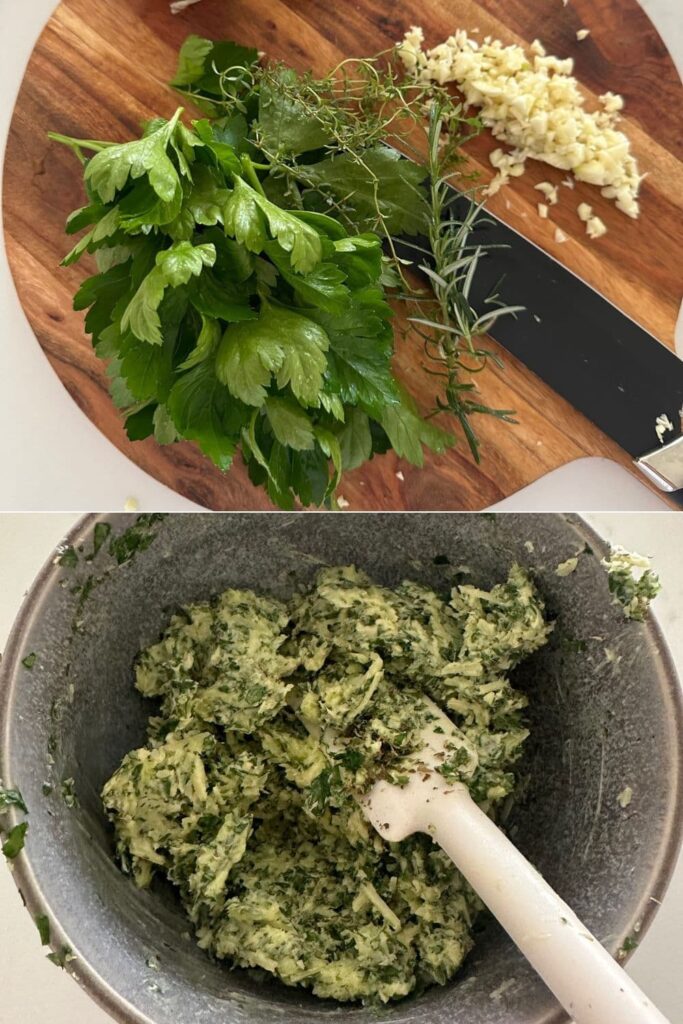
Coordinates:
(342, 502)
(595, 228)
(611, 103)
(560, 235)
(548, 190)
(582, 34)
(662, 424)
(131, 505)
(535, 105)
(499, 992)
(542, 211)
(410, 49)
(507, 165)
(584, 211)
(625, 797)
(567, 182)
(400, 476)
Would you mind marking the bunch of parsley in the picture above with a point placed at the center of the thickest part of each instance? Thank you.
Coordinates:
(231, 312)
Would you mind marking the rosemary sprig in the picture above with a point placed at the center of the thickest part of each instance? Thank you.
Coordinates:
(450, 333)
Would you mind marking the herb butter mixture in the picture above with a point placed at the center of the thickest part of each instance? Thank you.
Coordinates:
(272, 716)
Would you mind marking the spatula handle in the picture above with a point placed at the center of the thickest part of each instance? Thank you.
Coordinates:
(589, 984)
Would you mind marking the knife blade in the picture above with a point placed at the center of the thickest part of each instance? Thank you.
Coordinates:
(591, 353)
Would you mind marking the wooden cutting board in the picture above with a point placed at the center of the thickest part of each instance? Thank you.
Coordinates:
(100, 67)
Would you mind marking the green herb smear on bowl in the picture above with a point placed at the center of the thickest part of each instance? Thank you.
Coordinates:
(245, 264)
(272, 718)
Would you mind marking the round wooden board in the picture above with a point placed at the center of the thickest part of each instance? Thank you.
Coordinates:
(100, 67)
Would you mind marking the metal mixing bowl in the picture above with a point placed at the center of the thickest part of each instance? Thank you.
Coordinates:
(605, 713)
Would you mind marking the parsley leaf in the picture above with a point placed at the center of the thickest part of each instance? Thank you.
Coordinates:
(208, 339)
(213, 297)
(191, 60)
(323, 286)
(359, 360)
(290, 423)
(284, 124)
(379, 180)
(207, 196)
(309, 475)
(247, 214)
(108, 171)
(282, 343)
(174, 266)
(209, 72)
(203, 410)
(408, 432)
(220, 143)
(355, 439)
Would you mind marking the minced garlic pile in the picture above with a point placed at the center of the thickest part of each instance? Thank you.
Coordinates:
(534, 104)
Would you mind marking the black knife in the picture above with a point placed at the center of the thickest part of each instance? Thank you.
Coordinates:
(589, 351)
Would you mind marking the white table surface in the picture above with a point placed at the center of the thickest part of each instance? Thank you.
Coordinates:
(53, 458)
(32, 989)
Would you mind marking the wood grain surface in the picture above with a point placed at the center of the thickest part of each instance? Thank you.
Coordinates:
(100, 67)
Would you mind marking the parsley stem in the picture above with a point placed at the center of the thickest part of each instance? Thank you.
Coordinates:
(250, 173)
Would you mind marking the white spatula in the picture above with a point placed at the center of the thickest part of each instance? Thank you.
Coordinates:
(589, 984)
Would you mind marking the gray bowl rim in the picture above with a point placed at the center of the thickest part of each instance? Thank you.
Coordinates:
(119, 1008)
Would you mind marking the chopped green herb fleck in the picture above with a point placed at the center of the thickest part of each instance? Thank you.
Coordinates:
(14, 843)
(43, 926)
(628, 945)
(12, 798)
(136, 538)
(29, 661)
(68, 559)
(62, 957)
(631, 581)
(100, 535)
(573, 644)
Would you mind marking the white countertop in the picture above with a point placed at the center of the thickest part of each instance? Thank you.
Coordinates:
(34, 990)
(53, 458)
